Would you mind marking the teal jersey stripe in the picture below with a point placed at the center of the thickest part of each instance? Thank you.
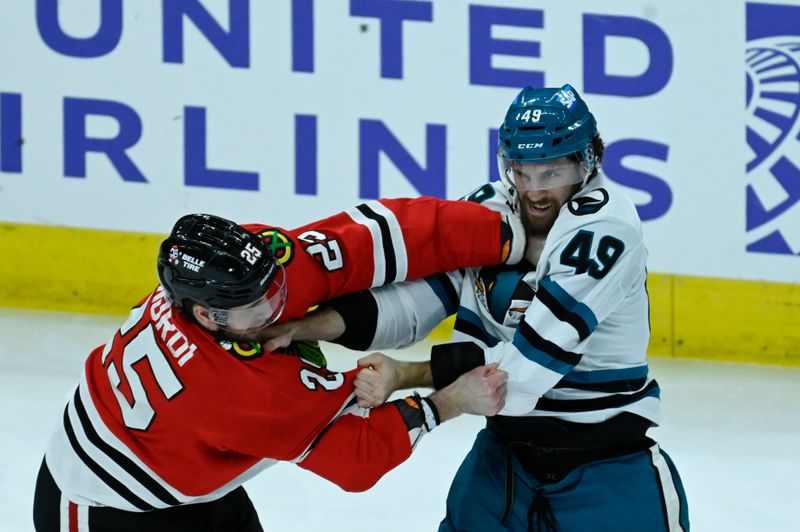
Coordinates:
(607, 375)
(569, 303)
(535, 354)
(654, 392)
(474, 326)
(447, 298)
(616, 400)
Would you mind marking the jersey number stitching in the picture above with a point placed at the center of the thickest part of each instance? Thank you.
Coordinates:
(577, 254)
(312, 380)
(324, 249)
(139, 414)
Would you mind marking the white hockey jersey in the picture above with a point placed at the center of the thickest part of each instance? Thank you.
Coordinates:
(571, 331)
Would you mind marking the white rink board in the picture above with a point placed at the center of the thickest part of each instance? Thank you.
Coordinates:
(426, 88)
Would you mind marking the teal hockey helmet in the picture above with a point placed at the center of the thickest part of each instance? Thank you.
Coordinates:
(543, 125)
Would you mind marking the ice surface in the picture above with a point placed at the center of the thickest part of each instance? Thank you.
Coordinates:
(732, 429)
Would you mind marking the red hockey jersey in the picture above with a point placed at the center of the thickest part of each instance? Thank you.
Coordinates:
(167, 414)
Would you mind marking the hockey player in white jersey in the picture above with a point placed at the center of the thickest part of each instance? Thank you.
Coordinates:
(569, 451)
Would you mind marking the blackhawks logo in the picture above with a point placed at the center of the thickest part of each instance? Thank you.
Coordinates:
(247, 350)
(309, 352)
(281, 245)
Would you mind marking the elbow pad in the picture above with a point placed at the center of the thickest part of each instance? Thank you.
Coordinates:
(450, 361)
(360, 314)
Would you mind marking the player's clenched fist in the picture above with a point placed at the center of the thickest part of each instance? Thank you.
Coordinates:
(481, 391)
(376, 382)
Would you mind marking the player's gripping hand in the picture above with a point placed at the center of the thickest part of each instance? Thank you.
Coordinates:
(277, 336)
(480, 391)
(377, 380)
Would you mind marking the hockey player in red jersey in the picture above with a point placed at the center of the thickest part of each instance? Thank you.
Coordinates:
(182, 405)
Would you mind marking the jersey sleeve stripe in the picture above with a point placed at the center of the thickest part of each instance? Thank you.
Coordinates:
(600, 403)
(566, 308)
(379, 271)
(543, 352)
(351, 402)
(134, 318)
(101, 473)
(620, 386)
(382, 249)
(440, 284)
(608, 375)
(397, 240)
(469, 323)
(120, 459)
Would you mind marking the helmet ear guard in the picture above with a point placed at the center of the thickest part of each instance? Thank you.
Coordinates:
(588, 161)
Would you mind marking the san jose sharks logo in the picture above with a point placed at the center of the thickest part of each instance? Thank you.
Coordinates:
(588, 204)
(504, 291)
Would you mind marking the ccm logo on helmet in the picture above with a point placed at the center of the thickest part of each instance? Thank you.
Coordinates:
(533, 145)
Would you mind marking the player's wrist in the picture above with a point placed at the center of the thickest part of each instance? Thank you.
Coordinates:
(413, 375)
(323, 324)
(419, 413)
(447, 403)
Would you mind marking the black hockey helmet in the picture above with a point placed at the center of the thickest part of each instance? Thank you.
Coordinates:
(219, 264)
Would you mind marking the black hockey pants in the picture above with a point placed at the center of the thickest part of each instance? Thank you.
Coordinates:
(232, 513)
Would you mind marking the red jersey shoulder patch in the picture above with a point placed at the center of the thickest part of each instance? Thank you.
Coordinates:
(279, 243)
(246, 350)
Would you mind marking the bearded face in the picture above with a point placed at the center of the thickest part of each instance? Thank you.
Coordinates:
(539, 209)
(543, 188)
